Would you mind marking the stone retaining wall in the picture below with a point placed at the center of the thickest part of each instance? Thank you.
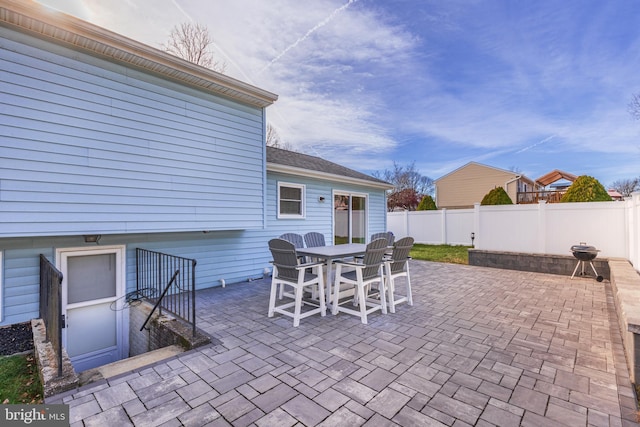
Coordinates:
(48, 363)
(539, 263)
(625, 283)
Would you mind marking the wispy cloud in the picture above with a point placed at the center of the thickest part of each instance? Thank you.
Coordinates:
(540, 84)
(308, 33)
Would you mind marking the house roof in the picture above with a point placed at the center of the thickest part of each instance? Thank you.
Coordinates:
(615, 195)
(514, 174)
(32, 18)
(555, 175)
(291, 162)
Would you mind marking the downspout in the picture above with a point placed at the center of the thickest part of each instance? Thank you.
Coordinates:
(506, 186)
(264, 170)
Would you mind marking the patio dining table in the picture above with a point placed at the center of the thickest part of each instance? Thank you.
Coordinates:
(330, 254)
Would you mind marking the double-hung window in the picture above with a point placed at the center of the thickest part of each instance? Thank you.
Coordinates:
(290, 200)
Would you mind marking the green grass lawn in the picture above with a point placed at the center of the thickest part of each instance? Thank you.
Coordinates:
(19, 380)
(438, 253)
(441, 253)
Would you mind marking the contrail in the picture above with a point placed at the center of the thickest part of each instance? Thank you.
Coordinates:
(175, 3)
(308, 33)
(215, 45)
(547, 139)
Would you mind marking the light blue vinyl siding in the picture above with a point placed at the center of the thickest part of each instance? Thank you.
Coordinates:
(319, 215)
(231, 255)
(92, 147)
(87, 146)
(234, 256)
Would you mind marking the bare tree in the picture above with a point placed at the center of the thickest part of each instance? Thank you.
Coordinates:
(274, 139)
(626, 186)
(192, 42)
(515, 169)
(407, 181)
(634, 106)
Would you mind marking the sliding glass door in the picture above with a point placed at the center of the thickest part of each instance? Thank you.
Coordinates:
(349, 218)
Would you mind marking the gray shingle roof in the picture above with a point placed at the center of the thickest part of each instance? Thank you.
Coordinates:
(293, 159)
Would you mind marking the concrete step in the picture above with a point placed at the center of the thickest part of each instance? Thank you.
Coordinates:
(127, 365)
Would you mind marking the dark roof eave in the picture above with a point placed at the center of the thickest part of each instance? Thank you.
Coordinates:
(291, 170)
(57, 27)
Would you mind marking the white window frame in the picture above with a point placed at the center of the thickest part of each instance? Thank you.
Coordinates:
(351, 194)
(302, 213)
(120, 251)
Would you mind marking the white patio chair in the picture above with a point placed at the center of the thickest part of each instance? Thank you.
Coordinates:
(397, 265)
(296, 239)
(287, 272)
(385, 235)
(314, 239)
(298, 242)
(363, 275)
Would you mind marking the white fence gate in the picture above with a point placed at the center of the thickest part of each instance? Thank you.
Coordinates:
(612, 227)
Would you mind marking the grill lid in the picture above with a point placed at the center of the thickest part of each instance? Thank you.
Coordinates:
(584, 248)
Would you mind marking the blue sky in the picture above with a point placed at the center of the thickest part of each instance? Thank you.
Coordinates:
(533, 86)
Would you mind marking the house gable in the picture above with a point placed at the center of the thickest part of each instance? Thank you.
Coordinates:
(107, 147)
(468, 184)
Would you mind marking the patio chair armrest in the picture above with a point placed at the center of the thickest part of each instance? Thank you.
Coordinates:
(309, 265)
(350, 264)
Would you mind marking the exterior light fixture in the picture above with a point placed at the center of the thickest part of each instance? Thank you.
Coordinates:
(92, 238)
(321, 199)
(473, 236)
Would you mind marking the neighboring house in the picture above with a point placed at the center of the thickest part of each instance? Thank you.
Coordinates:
(103, 137)
(467, 185)
(553, 185)
(615, 195)
(560, 180)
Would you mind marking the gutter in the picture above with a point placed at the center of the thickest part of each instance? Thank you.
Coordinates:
(290, 170)
(506, 184)
(30, 17)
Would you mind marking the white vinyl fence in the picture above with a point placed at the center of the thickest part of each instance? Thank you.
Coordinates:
(453, 227)
(612, 227)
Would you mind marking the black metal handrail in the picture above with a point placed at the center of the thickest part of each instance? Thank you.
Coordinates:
(159, 300)
(169, 281)
(51, 306)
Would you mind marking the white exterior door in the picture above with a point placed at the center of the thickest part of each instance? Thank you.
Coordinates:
(92, 290)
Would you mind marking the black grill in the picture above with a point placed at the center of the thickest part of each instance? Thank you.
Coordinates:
(585, 253)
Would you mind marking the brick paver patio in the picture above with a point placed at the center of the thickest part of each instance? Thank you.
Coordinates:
(480, 347)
